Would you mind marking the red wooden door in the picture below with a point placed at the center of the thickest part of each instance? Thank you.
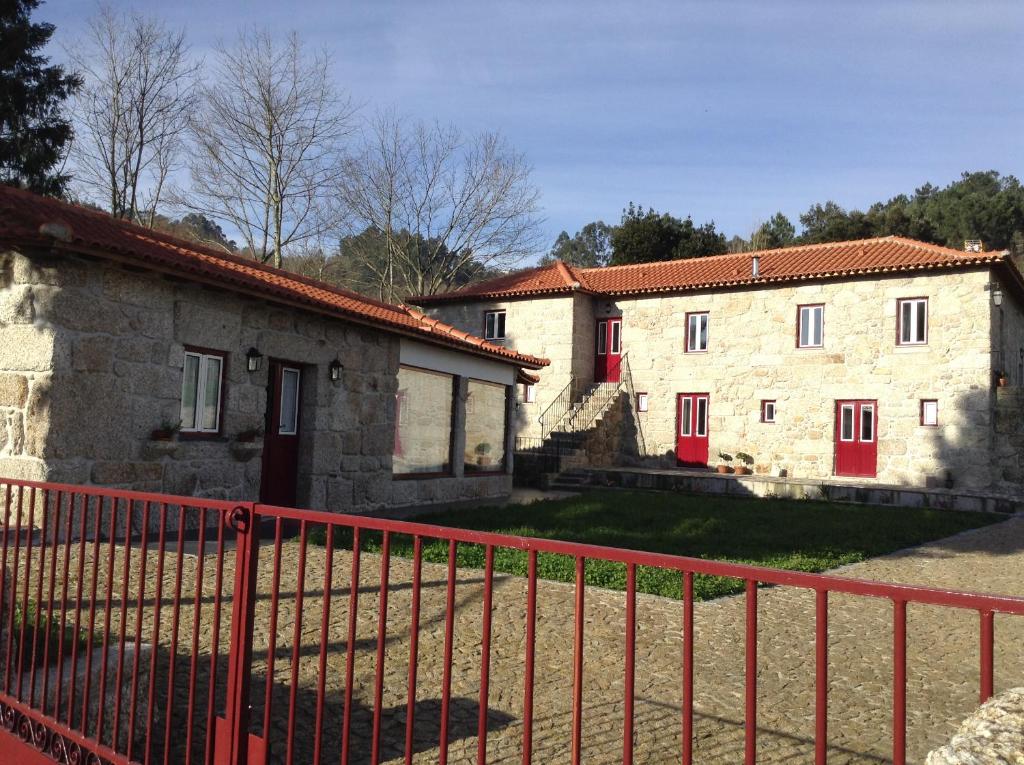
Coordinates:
(857, 438)
(608, 351)
(281, 441)
(692, 430)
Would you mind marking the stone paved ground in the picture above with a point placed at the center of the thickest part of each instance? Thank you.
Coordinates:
(942, 660)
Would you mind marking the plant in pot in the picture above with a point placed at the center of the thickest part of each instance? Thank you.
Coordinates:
(483, 452)
(1001, 378)
(746, 461)
(724, 466)
(249, 436)
(166, 431)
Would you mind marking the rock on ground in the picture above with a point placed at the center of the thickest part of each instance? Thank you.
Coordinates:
(994, 735)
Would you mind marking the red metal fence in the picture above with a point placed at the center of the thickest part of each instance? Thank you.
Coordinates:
(148, 628)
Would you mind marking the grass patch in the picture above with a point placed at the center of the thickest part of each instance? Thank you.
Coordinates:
(796, 535)
(42, 642)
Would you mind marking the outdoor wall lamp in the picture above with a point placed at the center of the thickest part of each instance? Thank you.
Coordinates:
(997, 293)
(334, 370)
(253, 359)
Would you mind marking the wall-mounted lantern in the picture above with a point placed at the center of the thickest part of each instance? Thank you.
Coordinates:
(253, 359)
(334, 370)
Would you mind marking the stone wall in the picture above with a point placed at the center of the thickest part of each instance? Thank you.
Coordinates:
(92, 355)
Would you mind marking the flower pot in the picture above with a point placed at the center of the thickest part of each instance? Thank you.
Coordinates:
(743, 470)
(162, 435)
(724, 469)
(1003, 382)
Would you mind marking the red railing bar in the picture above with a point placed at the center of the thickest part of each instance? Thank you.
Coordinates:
(531, 646)
(750, 713)
(293, 695)
(218, 583)
(157, 609)
(987, 659)
(577, 662)
(485, 657)
(97, 533)
(630, 679)
(139, 612)
(80, 579)
(196, 618)
(414, 647)
(350, 649)
(908, 593)
(58, 503)
(111, 555)
(13, 589)
(175, 626)
(899, 683)
(39, 595)
(382, 630)
(325, 617)
(87, 743)
(449, 636)
(275, 587)
(820, 677)
(126, 577)
(28, 578)
(3, 571)
(688, 668)
(58, 694)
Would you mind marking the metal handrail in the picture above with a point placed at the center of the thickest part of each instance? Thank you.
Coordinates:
(627, 376)
(562, 404)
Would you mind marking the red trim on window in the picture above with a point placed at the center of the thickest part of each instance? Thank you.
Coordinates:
(764, 410)
(200, 435)
(929, 401)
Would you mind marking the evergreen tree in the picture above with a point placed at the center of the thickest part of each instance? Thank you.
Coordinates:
(33, 129)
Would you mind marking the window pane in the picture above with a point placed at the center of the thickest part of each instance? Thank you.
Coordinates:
(922, 321)
(816, 315)
(691, 333)
(423, 442)
(211, 393)
(602, 337)
(616, 330)
(846, 433)
(930, 413)
(501, 324)
(703, 332)
(485, 428)
(867, 423)
(805, 326)
(488, 325)
(289, 402)
(905, 319)
(686, 416)
(189, 389)
(702, 417)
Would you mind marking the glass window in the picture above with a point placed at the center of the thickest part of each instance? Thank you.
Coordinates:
(289, 425)
(494, 325)
(846, 423)
(616, 336)
(702, 416)
(686, 416)
(697, 332)
(485, 427)
(423, 434)
(529, 393)
(867, 423)
(912, 317)
(811, 330)
(641, 402)
(767, 411)
(201, 390)
(929, 412)
(602, 338)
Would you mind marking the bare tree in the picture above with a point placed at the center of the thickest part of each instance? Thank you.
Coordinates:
(132, 114)
(267, 141)
(444, 203)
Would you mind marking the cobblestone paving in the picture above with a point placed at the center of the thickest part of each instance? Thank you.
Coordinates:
(942, 656)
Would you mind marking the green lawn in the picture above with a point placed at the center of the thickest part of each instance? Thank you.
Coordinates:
(795, 535)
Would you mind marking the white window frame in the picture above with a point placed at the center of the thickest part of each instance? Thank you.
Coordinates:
(686, 417)
(807, 342)
(702, 418)
(860, 425)
(492, 330)
(913, 328)
(641, 402)
(852, 408)
(529, 393)
(602, 338)
(200, 397)
(615, 344)
(765, 405)
(932, 403)
(693, 331)
(293, 430)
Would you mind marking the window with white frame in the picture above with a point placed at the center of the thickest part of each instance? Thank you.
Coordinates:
(929, 412)
(696, 332)
(494, 325)
(810, 326)
(202, 387)
(767, 411)
(641, 402)
(529, 393)
(912, 321)
(289, 425)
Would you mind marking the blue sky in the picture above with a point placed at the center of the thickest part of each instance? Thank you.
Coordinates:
(720, 110)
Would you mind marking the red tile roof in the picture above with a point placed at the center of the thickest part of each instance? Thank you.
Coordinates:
(30, 220)
(834, 260)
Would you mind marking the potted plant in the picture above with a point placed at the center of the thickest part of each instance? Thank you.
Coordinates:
(483, 451)
(166, 431)
(746, 460)
(724, 467)
(1001, 377)
(249, 436)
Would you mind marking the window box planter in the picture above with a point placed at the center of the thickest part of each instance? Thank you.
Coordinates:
(155, 449)
(243, 451)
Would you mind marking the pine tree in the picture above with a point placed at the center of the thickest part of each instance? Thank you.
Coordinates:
(33, 128)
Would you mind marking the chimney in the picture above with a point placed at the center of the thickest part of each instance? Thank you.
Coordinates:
(755, 266)
(972, 245)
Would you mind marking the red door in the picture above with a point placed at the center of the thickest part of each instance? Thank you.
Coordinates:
(281, 441)
(692, 430)
(857, 438)
(608, 354)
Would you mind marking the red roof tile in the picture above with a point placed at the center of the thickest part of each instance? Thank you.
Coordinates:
(833, 260)
(28, 219)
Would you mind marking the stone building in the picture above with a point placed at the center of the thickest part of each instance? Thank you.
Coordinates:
(877, 360)
(132, 359)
